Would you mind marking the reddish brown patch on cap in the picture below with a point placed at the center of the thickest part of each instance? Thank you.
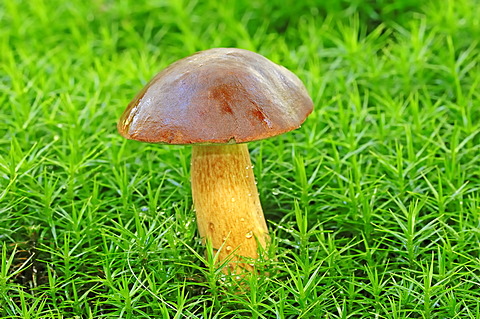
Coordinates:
(223, 94)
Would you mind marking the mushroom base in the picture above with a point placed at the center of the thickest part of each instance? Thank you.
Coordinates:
(227, 205)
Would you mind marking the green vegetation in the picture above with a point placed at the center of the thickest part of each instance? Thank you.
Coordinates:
(374, 204)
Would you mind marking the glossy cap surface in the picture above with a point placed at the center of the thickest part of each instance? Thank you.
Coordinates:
(222, 95)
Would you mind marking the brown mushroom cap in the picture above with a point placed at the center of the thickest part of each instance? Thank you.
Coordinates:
(222, 95)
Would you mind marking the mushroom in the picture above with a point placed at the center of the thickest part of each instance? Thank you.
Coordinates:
(218, 100)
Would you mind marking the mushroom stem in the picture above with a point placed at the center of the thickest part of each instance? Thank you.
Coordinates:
(226, 202)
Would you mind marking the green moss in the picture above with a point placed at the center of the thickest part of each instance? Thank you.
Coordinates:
(373, 203)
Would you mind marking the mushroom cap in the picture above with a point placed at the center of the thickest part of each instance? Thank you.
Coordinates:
(222, 95)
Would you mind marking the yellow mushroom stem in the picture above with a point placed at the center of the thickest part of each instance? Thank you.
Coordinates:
(227, 205)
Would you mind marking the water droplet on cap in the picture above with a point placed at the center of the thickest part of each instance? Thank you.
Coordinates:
(249, 234)
(268, 122)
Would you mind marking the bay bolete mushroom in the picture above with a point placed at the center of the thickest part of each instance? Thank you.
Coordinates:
(218, 100)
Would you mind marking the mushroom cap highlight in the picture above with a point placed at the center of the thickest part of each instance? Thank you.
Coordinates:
(222, 95)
